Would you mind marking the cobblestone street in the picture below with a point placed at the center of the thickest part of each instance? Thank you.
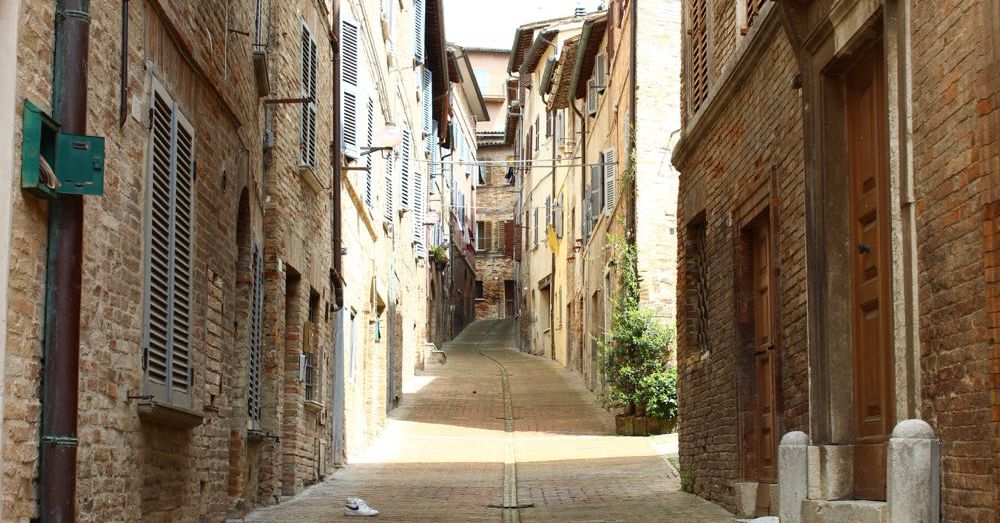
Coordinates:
(442, 455)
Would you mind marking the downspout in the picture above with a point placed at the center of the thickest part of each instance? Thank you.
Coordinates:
(61, 359)
(335, 196)
(552, 271)
(634, 79)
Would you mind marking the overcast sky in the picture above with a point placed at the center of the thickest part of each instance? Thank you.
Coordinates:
(491, 23)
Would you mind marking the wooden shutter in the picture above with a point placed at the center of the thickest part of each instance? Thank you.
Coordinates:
(548, 213)
(610, 164)
(435, 166)
(419, 211)
(307, 123)
(536, 227)
(585, 225)
(370, 142)
(488, 244)
(520, 238)
(350, 87)
(509, 238)
(256, 310)
(170, 200)
(418, 31)
(591, 98)
(699, 54)
(390, 205)
(548, 124)
(596, 192)
(427, 103)
(405, 181)
(601, 72)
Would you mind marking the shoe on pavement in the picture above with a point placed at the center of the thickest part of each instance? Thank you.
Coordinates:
(358, 507)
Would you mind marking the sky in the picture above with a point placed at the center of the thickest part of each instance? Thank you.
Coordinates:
(491, 23)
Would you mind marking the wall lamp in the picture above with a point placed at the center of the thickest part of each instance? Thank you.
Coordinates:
(386, 139)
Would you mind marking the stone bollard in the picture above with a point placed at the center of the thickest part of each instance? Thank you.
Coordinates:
(793, 476)
(913, 476)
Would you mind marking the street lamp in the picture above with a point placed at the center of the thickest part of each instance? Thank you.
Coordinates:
(386, 139)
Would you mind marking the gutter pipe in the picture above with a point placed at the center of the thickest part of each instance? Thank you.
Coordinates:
(61, 359)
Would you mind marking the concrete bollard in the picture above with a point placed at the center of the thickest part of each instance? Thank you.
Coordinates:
(793, 476)
(914, 473)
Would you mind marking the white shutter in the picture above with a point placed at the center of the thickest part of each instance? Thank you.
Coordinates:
(256, 310)
(435, 166)
(418, 31)
(350, 87)
(419, 211)
(309, 66)
(169, 247)
(427, 102)
(610, 162)
(369, 142)
(390, 205)
(591, 98)
(405, 181)
(601, 72)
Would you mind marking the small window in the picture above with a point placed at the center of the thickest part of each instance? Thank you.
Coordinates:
(480, 292)
(480, 236)
(309, 364)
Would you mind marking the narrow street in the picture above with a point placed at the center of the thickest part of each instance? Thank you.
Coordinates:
(442, 455)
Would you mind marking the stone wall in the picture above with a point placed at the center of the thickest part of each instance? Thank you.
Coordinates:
(496, 202)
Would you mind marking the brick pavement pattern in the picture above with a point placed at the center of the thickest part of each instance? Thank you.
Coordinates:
(441, 457)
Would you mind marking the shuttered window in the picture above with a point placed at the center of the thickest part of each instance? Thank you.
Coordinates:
(435, 155)
(753, 8)
(536, 227)
(609, 162)
(307, 133)
(509, 238)
(390, 204)
(418, 31)
(426, 103)
(699, 54)
(405, 179)
(370, 142)
(256, 311)
(350, 87)
(419, 216)
(170, 203)
(601, 72)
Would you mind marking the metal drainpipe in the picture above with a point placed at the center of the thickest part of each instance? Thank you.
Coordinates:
(632, 209)
(552, 279)
(335, 197)
(61, 361)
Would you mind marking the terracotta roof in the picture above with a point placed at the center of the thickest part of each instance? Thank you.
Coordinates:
(537, 50)
(524, 37)
(563, 74)
(587, 55)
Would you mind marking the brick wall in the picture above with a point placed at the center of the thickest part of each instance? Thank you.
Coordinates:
(738, 153)
(495, 204)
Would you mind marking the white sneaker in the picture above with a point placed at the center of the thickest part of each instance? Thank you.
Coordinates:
(358, 507)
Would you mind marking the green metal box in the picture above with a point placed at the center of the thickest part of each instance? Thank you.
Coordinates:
(76, 161)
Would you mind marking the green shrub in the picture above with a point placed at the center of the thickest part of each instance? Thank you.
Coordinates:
(635, 352)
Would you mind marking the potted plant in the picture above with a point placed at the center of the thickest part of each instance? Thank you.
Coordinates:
(439, 255)
(634, 355)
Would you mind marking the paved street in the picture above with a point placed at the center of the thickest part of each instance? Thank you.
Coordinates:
(442, 456)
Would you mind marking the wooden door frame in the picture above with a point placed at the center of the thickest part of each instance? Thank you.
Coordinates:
(760, 203)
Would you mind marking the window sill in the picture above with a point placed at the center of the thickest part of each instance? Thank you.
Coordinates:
(156, 413)
(308, 174)
(313, 406)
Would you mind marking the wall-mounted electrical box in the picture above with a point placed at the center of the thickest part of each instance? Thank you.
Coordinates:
(54, 163)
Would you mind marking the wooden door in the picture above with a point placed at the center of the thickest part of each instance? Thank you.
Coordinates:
(508, 293)
(867, 144)
(764, 352)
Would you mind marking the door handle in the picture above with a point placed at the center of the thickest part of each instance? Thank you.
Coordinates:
(864, 248)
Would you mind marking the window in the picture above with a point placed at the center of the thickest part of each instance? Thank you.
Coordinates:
(370, 142)
(307, 133)
(427, 104)
(752, 9)
(480, 236)
(609, 162)
(536, 226)
(560, 125)
(418, 31)
(405, 180)
(419, 216)
(350, 85)
(390, 205)
(480, 292)
(696, 270)
(309, 372)
(482, 78)
(167, 349)
(548, 123)
(256, 310)
(699, 54)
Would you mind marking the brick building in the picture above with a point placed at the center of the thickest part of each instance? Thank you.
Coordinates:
(236, 340)
(868, 129)
(596, 109)
(496, 195)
